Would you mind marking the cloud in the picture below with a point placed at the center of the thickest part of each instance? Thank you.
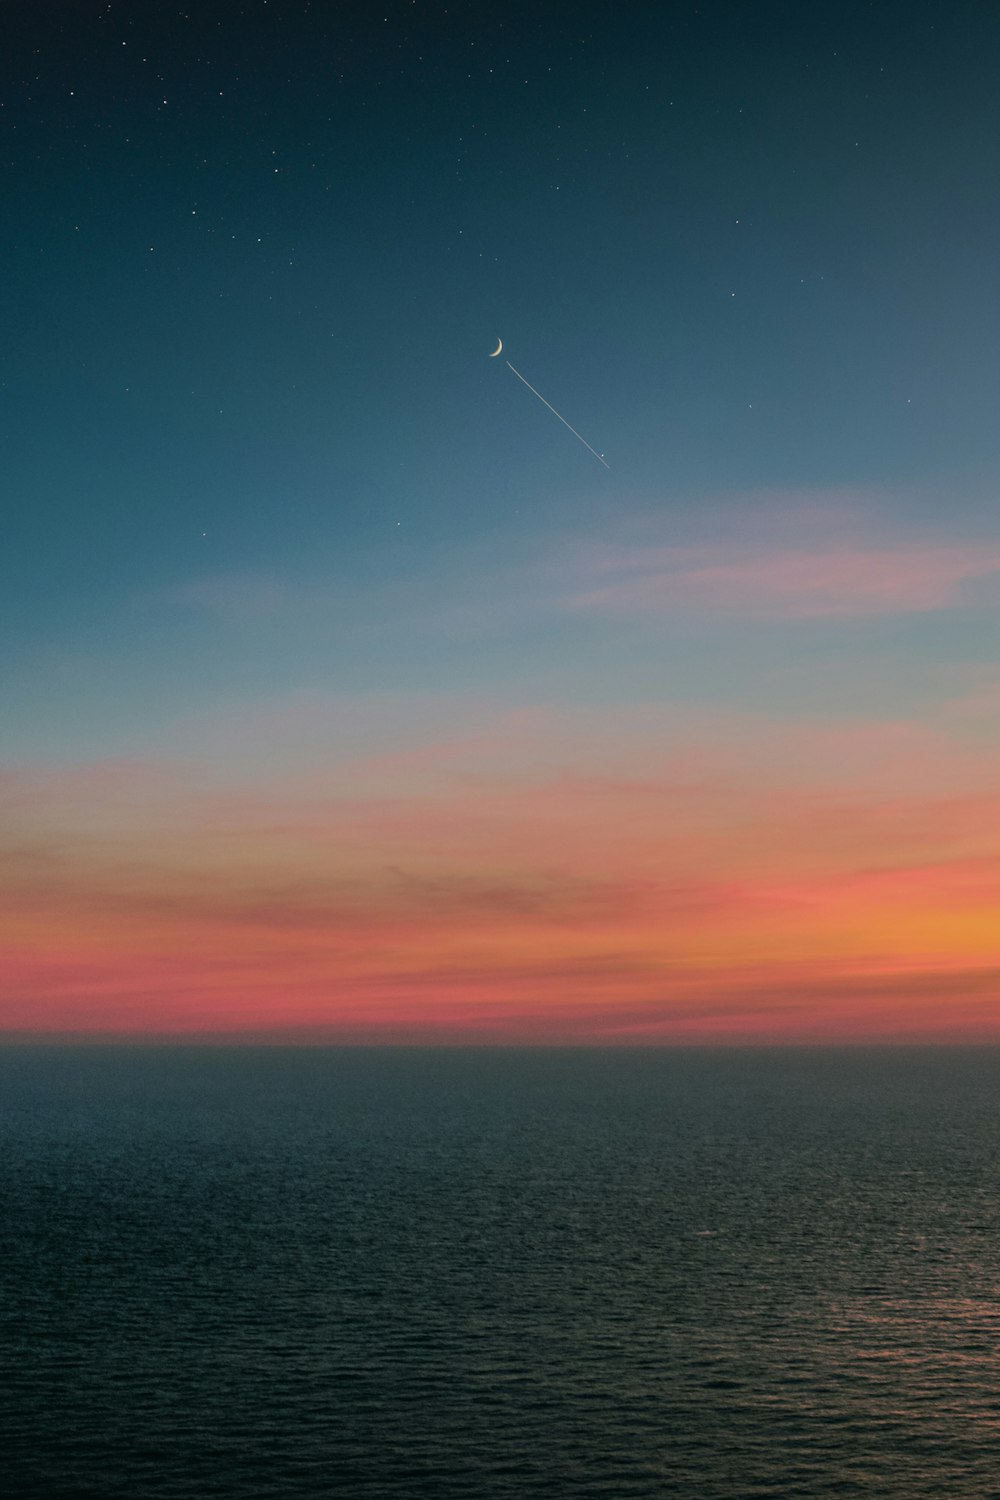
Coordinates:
(235, 598)
(528, 875)
(788, 583)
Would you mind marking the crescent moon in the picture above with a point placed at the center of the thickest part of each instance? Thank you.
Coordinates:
(497, 349)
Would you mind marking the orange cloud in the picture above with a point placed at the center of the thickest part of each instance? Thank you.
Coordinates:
(524, 881)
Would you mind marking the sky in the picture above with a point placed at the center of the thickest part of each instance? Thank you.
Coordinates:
(344, 695)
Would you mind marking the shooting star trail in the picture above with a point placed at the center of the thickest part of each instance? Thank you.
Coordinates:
(531, 388)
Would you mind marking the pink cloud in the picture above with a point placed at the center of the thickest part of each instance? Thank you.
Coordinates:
(551, 874)
(787, 583)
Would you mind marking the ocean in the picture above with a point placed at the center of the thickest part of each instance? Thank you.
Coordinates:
(299, 1272)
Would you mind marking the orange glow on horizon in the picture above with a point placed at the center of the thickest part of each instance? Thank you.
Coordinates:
(654, 896)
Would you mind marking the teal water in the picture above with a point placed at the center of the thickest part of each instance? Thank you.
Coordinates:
(437, 1273)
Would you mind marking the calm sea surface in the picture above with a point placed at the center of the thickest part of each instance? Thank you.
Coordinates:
(284, 1273)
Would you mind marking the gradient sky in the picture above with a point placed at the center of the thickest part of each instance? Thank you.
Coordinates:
(346, 696)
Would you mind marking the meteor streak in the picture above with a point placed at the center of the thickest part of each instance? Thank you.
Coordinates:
(531, 388)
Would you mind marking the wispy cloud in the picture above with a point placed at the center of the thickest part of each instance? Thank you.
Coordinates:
(534, 875)
(838, 580)
(753, 558)
(232, 597)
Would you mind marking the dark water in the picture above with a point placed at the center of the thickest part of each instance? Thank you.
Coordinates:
(472, 1273)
